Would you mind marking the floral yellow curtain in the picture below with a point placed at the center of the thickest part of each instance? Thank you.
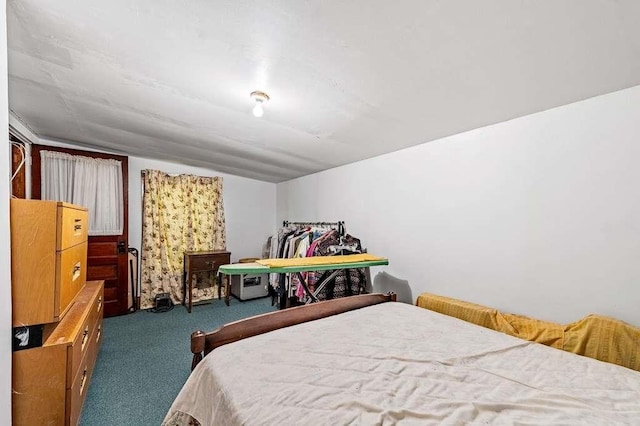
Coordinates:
(180, 213)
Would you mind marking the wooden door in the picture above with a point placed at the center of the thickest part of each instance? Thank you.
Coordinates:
(107, 255)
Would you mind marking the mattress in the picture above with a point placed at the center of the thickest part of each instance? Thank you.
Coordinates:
(399, 364)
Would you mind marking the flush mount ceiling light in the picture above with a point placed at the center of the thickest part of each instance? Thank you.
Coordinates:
(260, 98)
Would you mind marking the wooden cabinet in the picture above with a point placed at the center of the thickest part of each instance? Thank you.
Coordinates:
(48, 259)
(201, 261)
(50, 382)
(49, 292)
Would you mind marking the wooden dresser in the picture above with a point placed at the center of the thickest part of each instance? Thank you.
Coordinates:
(55, 310)
(50, 382)
(48, 259)
(196, 262)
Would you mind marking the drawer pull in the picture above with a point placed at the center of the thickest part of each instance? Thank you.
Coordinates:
(99, 303)
(210, 263)
(83, 381)
(98, 333)
(76, 271)
(85, 333)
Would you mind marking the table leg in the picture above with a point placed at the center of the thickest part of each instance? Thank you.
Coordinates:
(227, 290)
(368, 284)
(191, 278)
(184, 285)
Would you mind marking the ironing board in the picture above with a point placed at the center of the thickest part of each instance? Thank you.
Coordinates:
(298, 265)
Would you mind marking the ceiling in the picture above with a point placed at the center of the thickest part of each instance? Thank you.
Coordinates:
(350, 80)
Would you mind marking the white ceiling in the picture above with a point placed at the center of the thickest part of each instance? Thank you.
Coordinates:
(348, 80)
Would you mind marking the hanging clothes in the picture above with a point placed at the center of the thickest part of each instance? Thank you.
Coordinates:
(307, 240)
(348, 282)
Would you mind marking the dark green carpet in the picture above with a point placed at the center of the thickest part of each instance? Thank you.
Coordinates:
(145, 359)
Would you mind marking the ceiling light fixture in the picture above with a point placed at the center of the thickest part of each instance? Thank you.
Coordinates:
(260, 98)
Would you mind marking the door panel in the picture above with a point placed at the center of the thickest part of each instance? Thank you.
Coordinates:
(103, 272)
(105, 263)
(107, 255)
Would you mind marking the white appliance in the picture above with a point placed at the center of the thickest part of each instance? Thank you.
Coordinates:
(249, 286)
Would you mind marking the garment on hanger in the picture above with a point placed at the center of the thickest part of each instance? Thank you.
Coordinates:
(307, 240)
(346, 283)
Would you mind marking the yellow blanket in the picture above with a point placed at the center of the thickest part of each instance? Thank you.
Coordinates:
(602, 338)
(318, 260)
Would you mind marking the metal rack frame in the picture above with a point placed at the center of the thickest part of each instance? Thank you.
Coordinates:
(339, 224)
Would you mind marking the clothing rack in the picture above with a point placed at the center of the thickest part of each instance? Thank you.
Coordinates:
(326, 276)
(339, 224)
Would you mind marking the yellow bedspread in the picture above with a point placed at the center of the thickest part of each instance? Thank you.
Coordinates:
(318, 260)
(602, 338)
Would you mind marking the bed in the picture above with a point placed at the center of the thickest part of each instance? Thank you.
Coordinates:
(368, 360)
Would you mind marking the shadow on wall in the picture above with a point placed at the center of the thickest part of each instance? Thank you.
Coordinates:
(383, 283)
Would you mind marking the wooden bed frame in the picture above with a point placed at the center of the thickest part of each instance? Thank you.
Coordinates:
(202, 342)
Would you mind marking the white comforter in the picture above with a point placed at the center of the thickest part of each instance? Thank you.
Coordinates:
(395, 363)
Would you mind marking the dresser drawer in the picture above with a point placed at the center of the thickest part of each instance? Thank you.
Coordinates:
(78, 391)
(208, 262)
(73, 227)
(89, 335)
(79, 387)
(79, 349)
(203, 263)
(71, 268)
(98, 306)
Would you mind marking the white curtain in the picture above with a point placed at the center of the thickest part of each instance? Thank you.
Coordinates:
(91, 182)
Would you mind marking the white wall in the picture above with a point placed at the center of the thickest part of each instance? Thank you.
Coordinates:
(5, 245)
(249, 205)
(538, 216)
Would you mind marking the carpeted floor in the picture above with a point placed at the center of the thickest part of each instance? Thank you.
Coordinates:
(145, 359)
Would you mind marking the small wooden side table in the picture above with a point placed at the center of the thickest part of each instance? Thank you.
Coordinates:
(201, 261)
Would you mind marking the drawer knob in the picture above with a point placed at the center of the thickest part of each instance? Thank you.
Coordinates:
(83, 381)
(76, 271)
(85, 333)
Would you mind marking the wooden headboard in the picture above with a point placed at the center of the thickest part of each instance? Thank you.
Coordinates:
(202, 343)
